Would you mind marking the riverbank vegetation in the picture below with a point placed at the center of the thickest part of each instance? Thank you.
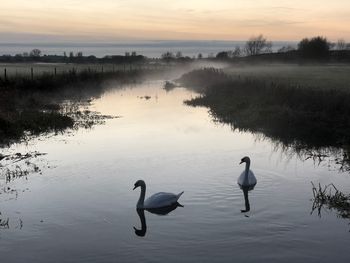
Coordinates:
(331, 198)
(48, 103)
(297, 115)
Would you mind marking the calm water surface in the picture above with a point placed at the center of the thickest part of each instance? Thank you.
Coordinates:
(84, 208)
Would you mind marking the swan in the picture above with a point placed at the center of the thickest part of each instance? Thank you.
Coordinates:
(247, 177)
(157, 200)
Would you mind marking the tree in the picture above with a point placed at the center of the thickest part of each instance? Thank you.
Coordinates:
(257, 45)
(167, 56)
(178, 54)
(237, 52)
(341, 44)
(200, 56)
(35, 53)
(316, 47)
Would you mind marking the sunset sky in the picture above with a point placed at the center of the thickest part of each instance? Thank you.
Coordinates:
(113, 20)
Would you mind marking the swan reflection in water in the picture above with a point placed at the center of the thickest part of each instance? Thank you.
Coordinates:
(158, 211)
(245, 190)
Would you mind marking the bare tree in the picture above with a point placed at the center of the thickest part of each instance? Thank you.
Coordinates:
(35, 53)
(237, 52)
(341, 44)
(168, 56)
(257, 45)
(178, 54)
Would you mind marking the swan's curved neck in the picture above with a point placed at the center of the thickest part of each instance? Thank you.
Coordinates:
(142, 197)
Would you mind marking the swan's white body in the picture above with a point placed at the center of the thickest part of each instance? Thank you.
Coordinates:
(157, 200)
(247, 177)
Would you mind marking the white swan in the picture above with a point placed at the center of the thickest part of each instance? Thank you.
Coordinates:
(247, 177)
(155, 201)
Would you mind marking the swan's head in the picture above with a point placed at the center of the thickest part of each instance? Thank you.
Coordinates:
(245, 159)
(139, 183)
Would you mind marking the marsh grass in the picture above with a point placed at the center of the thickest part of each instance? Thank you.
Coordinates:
(50, 82)
(4, 223)
(297, 116)
(34, 106)
(331, 198)
(18, 165)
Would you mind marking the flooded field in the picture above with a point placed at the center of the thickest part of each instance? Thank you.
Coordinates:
(80, 206)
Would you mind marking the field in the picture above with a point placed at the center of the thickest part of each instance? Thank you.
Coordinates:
(327, 76)
(25, 69)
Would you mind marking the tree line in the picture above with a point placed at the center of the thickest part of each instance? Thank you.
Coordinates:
(257, 46)
(308, 48)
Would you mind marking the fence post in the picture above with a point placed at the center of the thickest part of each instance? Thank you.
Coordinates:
(102, 69)
(31, 73)
(55, 72)
(5, 74)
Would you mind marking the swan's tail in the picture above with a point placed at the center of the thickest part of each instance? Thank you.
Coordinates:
(178, 196)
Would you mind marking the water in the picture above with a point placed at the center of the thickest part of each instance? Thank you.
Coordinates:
(84, 208)
(146, 48)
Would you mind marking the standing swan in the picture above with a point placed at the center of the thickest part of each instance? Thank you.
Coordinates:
(157, 200)
(247, 177)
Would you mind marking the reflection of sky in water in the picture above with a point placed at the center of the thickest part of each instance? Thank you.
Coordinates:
(88, 207)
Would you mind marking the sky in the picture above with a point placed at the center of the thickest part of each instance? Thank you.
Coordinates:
(132, 20)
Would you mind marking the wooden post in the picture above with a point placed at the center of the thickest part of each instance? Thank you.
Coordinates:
(31, 73)
(102, 69)
(55, 72)
(5, 74)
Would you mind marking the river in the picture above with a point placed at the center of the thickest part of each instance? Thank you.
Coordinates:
(82, 207)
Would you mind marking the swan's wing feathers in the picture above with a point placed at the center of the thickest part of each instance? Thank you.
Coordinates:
(240, 180)
(160, 200)
(252, 178)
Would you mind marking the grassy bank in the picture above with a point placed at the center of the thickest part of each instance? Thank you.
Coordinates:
(34, 106)
(296, 115)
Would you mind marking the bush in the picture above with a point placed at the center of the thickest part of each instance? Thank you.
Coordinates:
(316, 48)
